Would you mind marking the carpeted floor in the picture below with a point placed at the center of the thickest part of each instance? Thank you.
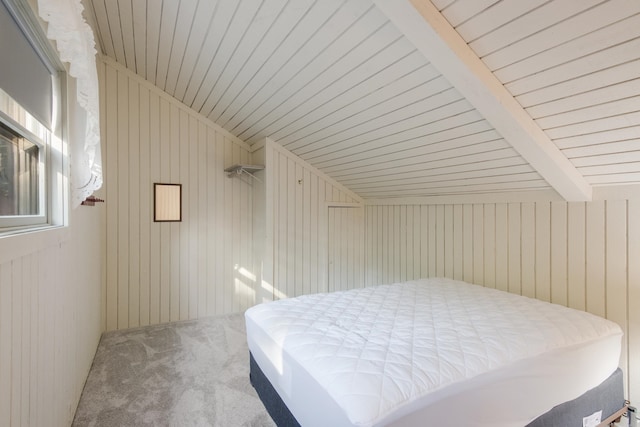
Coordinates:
(191, 373)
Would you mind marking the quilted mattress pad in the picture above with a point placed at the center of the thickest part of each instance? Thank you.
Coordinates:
(390, 354)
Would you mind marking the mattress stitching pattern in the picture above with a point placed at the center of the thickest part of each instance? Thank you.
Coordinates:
(361, 345)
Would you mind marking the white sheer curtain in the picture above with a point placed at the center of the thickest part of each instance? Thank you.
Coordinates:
(76, 46)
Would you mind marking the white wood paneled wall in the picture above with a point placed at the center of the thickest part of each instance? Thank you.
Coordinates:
(581, 255)
(298, 197)
(50, 320)
(345, 239)
(162, 272)
(51, 284)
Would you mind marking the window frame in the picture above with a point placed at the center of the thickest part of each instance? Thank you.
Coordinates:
(53, 140)
(16, 222)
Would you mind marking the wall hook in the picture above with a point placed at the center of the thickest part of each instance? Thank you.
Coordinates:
(91, 201)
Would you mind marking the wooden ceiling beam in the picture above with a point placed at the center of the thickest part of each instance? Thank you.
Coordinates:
(423, 24)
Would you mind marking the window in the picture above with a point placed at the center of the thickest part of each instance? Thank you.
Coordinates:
(33, 178)
(21, 178)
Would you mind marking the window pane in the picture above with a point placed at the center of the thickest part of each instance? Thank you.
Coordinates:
(19, 182)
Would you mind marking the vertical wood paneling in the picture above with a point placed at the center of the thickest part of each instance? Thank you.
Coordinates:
(502, 248)
(333, 251)
(423, 248)
(467, 242)
(280, 275)
(262, 229)
(390, 256)
(196, 258)
(345, 229)
(581, 255)
(408, 243)
(528, 254)
(413, 233)
(184, 142)
(457, 249)
(6, 332)
(441, 233)
(372, 244)
(417, 236)
(58, 374)
(313, 231)
(164, 264)
(228, 218)
(290, 186)
(16, 341)
(239, 291)
(402, 243)
(110, 137)
(323, 185)
(478, 244)
(44, 362)
(543, 251)
(50, 319)
(616, 268)
(299, 249)
(244, 288)
(50, 311)
(246, 272)
(489, 245)
(174, 229)
(272, 190)
(559, 290)
(596, 258)
(395, 238)
(26, 338)
(171, 271)
(219, 213)
(633, 294)
(200, 206)
(134, 204)
(431, 233)
(306, 231)
(514, 248)
(145, 208)
(298, 229)
(209, 215)
(47, 327)
(576, 249)
(122, 233)
(100, 69)
(383, 260)
(34, 269)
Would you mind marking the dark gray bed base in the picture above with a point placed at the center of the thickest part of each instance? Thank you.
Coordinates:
(608, 396)
(270, 397)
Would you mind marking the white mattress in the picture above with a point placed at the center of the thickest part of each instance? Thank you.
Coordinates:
(438, 350)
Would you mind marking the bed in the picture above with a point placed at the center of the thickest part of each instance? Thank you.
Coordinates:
(440, 350)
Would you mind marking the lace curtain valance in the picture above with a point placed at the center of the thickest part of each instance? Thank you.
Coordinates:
(76, 45)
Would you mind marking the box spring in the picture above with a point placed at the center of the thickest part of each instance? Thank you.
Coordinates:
(607, 397)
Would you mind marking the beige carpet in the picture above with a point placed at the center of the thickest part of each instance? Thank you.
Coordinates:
(191, 373)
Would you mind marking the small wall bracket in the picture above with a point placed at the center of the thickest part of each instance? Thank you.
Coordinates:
(237, 170)
(91, 201)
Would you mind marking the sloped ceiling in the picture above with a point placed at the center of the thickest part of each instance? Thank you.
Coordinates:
(357, 89)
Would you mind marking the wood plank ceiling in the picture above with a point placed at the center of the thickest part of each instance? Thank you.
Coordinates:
(338, 84)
